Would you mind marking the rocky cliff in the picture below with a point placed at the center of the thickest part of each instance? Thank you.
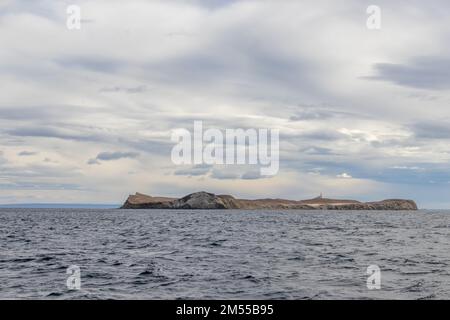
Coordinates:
(206, 200)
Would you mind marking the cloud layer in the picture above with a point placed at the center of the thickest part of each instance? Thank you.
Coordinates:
(361, 112)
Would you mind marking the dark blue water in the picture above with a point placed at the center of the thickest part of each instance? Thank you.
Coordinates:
(141, 254)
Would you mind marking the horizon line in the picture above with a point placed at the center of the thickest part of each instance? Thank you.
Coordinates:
(58, 205)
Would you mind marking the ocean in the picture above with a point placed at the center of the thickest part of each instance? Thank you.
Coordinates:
(223, 254)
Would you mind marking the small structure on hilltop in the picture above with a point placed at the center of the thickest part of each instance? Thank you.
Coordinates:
(319, 197)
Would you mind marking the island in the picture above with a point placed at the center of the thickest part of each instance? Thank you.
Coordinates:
(207, 200)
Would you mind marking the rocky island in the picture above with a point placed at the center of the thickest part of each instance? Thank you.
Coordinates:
(206, 200)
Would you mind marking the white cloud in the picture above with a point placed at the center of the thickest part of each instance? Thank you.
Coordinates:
(344, 176)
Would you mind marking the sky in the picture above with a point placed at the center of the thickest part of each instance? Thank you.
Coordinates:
(86, 115)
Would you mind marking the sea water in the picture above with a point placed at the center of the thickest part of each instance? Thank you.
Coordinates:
(223, 254)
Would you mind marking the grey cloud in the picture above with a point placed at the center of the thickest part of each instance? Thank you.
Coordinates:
(39, 186)
(248, 69)
(396, 143)
(44, 8)
(32, 112)
(227, 174)
(27, 153)
(327, 135)
(20, 173)
(198, 170)
(318, 112)
(85, 133)
(317, 151)
(219, 173)
(93, 161)
(48, 132)
(224, 174)
(319, 135)
(153, 147)
(109, 156)
(91, 63)
(211, 4)
(130, 90)
(311, 115)
(2, 159)
(45, 113)
(252, 175)
(421, 72)
(431, 129)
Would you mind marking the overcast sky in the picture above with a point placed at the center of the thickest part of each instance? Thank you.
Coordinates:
(86, 115)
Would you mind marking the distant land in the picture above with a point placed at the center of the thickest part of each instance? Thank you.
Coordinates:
(206, 200)
(58, 206)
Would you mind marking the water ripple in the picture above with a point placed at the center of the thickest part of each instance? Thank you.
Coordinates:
(139, 254)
